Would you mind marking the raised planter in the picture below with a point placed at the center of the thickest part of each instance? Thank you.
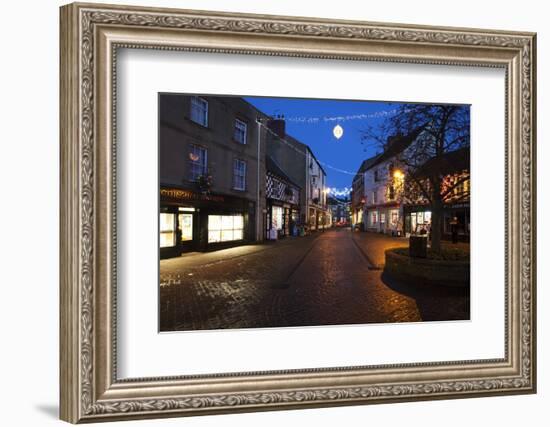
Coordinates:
(420, 271)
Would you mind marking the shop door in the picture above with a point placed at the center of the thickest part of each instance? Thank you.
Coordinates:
(186, 229)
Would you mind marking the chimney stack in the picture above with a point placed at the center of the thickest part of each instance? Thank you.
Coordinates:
(277, 125)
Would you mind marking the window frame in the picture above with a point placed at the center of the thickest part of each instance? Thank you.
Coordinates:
(235, 175)
(235, 128)
(191, 162)
(205, 112)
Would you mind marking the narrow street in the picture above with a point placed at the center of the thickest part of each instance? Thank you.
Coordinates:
(328, 278)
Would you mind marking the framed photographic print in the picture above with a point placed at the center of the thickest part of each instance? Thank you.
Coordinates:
(265, 212)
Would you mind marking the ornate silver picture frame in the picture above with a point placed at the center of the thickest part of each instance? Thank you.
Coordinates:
(91, 36)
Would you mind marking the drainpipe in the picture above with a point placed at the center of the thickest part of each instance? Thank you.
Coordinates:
(258, 213)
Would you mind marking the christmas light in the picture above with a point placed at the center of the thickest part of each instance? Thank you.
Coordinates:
(326, 119)
(338, 192)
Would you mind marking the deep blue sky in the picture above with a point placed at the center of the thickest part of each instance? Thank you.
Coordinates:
(345, 153)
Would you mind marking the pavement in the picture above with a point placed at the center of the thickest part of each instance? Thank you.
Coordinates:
(332, 277)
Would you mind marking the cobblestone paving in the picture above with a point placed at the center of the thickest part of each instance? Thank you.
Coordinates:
(323, 279)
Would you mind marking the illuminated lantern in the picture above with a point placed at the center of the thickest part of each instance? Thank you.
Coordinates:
(194, 157)
(338, 131)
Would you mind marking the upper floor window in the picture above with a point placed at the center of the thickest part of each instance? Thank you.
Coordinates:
(391, 192)
(197, 162)
(375, 175)
(199, 110)
(239, 175)
(239, 133)
(390, 170)
(374, 198)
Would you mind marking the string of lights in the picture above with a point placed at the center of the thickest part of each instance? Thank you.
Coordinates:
(339, 192)
(303, 153)
(338, 119)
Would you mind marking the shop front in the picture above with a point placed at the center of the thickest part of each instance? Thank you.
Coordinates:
(192, 221)
(455, 217)
(282, 218)
(385, 219)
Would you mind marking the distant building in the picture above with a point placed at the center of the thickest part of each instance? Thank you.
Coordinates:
(302, 167)
(212, 175)
(358, 195)
(340, 213)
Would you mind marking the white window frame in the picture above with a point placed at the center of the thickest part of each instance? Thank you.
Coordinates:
(240, 131)
(199, 110)
(167, 231)
(239, 173)
(202, 163)
(216, 234)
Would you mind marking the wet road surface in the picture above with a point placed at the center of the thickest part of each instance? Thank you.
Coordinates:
(328, 278)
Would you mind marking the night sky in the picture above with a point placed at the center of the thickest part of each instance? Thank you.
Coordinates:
(345, 153)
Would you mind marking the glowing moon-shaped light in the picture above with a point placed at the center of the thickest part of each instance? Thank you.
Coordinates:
(338, 131)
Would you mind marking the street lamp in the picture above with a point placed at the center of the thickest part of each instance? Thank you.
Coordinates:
(398, 174)
(338, 131)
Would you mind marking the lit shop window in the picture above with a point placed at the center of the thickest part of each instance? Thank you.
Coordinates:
(199, 110)
(239, 134)
(277, 217)
(419, 220)
(382, 218)
(224, 228)
(373, 218)
(167, 230)
(185, 222)
(394, 217)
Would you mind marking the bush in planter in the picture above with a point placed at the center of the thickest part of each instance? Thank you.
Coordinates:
(450, 267)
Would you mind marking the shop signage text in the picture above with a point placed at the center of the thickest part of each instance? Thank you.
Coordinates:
(177, 194)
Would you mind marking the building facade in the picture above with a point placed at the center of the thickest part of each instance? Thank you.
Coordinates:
(339, 211)
(384, 200)
(283, 202)
(358, 194)
(455, 189)
(304, 170)
(212, 173)
(383, 186)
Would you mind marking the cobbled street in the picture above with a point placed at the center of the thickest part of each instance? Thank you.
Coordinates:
(328, 278)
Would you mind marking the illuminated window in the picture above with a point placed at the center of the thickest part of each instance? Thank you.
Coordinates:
(167, 230)
(277, 217)
(382, 218)
(199, 110)
(185, 223)
(394, 217)
(224, 228)
(373, 218)
(239, 133)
